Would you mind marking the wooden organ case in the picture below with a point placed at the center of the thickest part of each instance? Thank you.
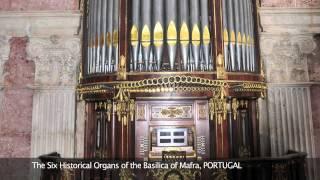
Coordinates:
(171, 75)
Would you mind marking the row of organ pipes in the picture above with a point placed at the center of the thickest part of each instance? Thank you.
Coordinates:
(173, 26)
(161, 24)
(102, 28)
(238, 35)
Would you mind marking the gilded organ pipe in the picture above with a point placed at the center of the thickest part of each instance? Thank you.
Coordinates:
(195, 34)
(98, 37)
(103, 36)
(135, 40)
(184, 33)
(225, 35)
(109, 35)
(145, 34)
(205, 35)
(238, 34)
(244, 36)
(232, 37)
(251, 33)
(158, 31)
(115, 36)
(94, 36)
(89, 37)
(171, 27)
(246, 21)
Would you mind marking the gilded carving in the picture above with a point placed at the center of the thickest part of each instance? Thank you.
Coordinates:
(122, 72)
(141, 112)
(221, 73)
(171, 111)
(202, 111)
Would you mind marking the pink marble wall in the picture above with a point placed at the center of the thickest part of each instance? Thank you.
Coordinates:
(16, 114)
(290, 3)
(31, 5)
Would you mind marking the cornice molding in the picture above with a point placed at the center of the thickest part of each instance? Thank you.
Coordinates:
(39, 23)
(289, 20)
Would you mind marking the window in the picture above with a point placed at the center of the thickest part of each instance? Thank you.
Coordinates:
(172, 137)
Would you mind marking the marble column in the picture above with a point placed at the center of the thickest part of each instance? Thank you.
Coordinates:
(287, 42)
(290, 119)
(53, 125)
(54, 111)
(53, 45)
(286, 39)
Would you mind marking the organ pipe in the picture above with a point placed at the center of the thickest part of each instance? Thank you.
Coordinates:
(90, 43)
(115, 36)
(145, 34)
(195, 37)
(205, 33)
(171, 24)
(225, 35)
(238, 34)
(109, 35)
(103, 36)
(247, 27)
(135, 41)
(244, 37)
(232, 38)
(184, 33)
(158, 34)
(98, 37)
(251, 32)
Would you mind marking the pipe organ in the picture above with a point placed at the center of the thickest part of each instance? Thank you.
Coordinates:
(166, 76)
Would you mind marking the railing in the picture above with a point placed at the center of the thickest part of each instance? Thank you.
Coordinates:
(288, 167)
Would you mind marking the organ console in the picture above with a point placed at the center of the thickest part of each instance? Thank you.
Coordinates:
(171, 75)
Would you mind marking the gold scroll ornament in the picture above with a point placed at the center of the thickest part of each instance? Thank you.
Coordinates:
(221, 73)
